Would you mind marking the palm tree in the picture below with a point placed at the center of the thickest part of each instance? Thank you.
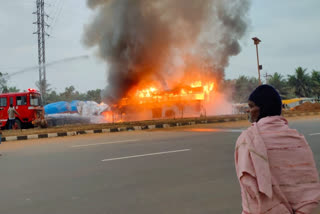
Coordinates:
(280, 84)
(315, 83)
(243, 87)
(300, 82)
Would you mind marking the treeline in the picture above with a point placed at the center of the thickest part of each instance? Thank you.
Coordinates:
(300, 84)
(70, 94)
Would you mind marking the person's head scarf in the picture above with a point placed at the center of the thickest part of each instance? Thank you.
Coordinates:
(268, 100)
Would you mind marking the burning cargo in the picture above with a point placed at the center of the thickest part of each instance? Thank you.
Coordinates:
(188, 100)
(163, 56)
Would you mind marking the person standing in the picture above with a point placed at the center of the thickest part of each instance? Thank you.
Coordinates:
(274, 163)
(12, 116)
(0, 139)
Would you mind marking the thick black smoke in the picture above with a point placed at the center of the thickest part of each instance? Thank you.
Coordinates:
(155, 39)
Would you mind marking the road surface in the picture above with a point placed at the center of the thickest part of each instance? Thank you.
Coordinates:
(187, 170)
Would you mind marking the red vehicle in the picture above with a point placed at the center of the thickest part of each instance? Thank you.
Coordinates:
(27, 104)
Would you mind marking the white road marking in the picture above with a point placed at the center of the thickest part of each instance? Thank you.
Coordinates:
(215, 130)
(314, 134)
(144, 155)
(97, 144)
(236, 130)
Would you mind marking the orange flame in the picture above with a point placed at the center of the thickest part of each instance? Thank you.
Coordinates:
(196, 84)
(151, 97)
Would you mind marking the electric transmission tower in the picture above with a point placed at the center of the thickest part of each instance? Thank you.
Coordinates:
(41, 32)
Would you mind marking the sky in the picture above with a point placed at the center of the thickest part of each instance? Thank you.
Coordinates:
(289, 31)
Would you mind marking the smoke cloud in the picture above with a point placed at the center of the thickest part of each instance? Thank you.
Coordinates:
(148, 40)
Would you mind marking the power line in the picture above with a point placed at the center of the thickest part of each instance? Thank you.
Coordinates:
(65, 60)
(59, 4)
(54, 11)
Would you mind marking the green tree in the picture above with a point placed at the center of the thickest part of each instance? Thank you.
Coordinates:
(3, 82)
(53, 97)
(68, 94)
(45, 86)
(13, 89)
(94, 95)
(315, 83)
(243, 87)
(280, 84)
(300, 82)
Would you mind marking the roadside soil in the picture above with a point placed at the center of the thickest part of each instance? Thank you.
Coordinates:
(307, 106)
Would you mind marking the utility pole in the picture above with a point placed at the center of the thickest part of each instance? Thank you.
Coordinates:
(256, 42)
(41, 32)
(267, 77)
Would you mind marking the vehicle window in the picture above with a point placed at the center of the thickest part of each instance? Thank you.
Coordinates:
(3, 101)
(35, 100)
(21, 100)
(11, 100)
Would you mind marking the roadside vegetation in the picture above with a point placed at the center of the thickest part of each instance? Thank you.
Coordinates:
(301, 83)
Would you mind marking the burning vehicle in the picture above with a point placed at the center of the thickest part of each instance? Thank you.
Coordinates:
(165, 58)
(187, 100)
(190, 99)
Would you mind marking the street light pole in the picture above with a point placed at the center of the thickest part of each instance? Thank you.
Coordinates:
(256, 42)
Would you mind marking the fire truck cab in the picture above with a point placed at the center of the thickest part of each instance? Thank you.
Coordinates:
(27, 104)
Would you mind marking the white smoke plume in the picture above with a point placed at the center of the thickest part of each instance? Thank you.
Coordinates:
(144, 40)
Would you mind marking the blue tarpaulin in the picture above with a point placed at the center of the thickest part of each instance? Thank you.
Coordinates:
(61, 107)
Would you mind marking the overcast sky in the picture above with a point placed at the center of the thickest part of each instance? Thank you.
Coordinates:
(289, 30)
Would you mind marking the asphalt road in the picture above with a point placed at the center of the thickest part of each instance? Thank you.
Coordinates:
(176, 171)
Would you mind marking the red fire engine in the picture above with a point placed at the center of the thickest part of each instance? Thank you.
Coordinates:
(27, 104)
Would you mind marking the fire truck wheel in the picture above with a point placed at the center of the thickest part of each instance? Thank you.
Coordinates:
(18, 124)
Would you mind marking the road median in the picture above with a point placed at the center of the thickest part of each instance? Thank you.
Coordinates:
(80, 129)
